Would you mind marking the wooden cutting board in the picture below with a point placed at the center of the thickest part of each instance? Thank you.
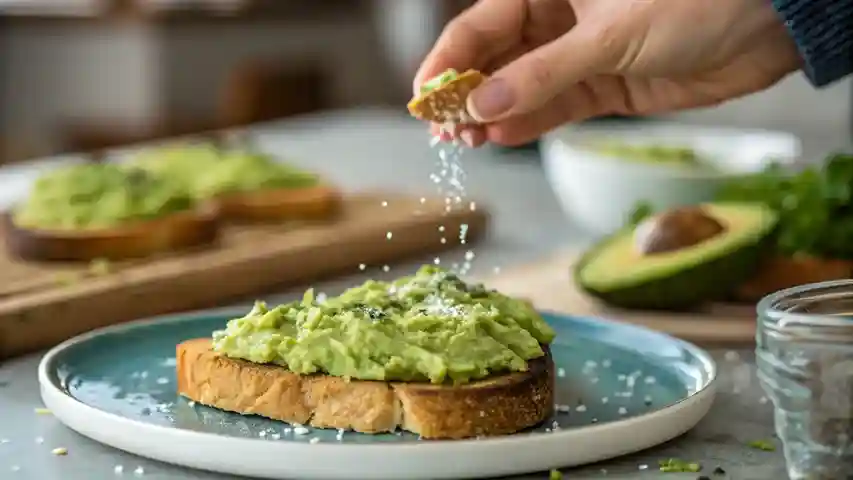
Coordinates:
(44, 304)
(548, 283)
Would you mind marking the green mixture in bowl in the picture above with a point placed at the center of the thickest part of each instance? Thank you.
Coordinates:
(667, 155)
(99, 195)
(431, 326)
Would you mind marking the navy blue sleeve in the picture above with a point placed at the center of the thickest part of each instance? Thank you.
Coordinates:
(823, 31)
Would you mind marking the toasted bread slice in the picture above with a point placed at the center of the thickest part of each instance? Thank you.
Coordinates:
(312, 203)
(448, 102)
(499, 405)
(191, 228)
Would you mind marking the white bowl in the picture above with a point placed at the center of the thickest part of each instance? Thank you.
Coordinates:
(599, 192)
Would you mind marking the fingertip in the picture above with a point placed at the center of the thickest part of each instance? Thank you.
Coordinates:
(473, 136)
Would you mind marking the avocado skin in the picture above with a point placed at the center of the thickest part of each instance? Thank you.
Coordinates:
(688, 289)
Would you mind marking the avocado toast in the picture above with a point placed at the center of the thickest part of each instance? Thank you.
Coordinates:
(428, 353)
(243, 184)
(442, 99)
(100, 210)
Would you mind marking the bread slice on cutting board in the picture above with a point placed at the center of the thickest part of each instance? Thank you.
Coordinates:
(498, 405)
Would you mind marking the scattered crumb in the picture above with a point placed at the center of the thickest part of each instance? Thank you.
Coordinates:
(59, 451)
(191, 403)
(676, 465)
(99, 267)
(300, 430)
(43, 411)
(766, 445)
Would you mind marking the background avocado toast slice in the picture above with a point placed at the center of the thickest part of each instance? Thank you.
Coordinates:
(427, 353)
(94, 210)
(243, 184)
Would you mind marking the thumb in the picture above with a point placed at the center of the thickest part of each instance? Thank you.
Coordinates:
(538, 76)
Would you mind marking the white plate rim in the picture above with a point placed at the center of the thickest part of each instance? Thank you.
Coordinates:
(456, 459)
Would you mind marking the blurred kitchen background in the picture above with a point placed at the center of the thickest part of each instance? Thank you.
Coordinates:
(79, 75)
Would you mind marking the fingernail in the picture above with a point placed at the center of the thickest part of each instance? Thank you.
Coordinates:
(490, 100)
(467, 137)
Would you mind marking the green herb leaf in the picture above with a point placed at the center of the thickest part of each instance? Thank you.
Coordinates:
(676, 465)
(641, 211)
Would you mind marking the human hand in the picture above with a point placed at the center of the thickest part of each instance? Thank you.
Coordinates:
(556, 61)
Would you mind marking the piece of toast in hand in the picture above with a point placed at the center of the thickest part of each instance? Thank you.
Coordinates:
(499, 405)
(447, 103)
(319, 202)
(172, 232)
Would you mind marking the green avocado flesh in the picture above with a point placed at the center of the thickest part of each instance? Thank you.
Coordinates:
(98, 195)
(616, 271)
(207, 172)
(439, 81)
(431, 327)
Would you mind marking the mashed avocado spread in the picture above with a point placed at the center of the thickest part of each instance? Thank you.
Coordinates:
(208, 172)
(439, 81)
(98, 195)
(431, 326)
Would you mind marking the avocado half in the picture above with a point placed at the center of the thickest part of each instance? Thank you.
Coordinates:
(617, 273)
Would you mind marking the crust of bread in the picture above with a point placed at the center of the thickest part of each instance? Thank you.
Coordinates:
(778, 273)
(498, 405)
(445, 103)
(191, 228)
(313, 203)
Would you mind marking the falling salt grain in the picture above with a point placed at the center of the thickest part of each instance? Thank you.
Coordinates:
(386, 268)
(15, 468)
(314, 440)
(762, 400)
(384, 203)
(441, 228)
(643, 467)
(650, 380)
(162, 380)
(562, 408)
(39, 440)
(580, 408)
(443, 240)
(139, 471)
(732, 356)
(300, 430)
(561, 372)
(604, 399)
(423, 200)
(262, 433)
(606, 363)
(469, 255)
(436, 261)
(389, 235)
(362, 266)
(191, 403)
(623, 411)
(275, 436)
(118, 470)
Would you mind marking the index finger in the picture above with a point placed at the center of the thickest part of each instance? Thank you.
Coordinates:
(472, 39)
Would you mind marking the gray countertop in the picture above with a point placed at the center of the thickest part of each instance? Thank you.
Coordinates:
(381, 149)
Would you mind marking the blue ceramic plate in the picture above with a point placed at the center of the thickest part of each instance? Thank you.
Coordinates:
(620, 389)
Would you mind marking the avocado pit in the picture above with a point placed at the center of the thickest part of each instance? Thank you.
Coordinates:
(676, 229)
